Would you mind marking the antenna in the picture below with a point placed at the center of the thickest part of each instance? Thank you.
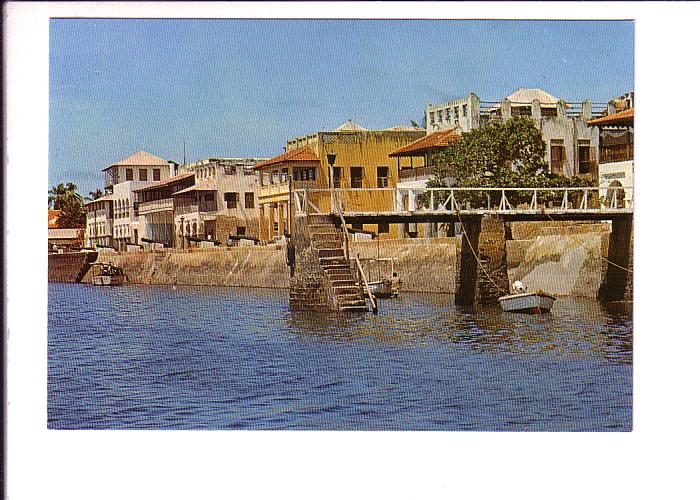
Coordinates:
(184, 157)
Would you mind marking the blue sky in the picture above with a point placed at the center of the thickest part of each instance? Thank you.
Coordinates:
(243, 87)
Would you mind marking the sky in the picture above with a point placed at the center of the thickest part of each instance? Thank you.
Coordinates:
(242, 88)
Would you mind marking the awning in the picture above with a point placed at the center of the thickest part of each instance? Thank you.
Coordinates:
(202, 186)
(301, 154)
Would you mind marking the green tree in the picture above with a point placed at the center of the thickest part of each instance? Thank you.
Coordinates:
(63, 195)
(508, 154)
(67, 199)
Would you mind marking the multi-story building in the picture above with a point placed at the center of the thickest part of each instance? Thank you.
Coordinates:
(572, 144)
(349, 159)
(113, 219)
(616, 164)
(222, 201)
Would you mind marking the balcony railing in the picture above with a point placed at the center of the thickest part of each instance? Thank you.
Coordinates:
(618, 152)
(149, 207)
(202, 207)
(414, 174)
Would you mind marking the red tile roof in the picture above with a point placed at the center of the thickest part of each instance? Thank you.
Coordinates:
(436, 140)
(166, 182)
(625, 117)
(300, 154)
(53, 217)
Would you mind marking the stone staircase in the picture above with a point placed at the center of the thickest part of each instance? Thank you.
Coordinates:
(327, 241)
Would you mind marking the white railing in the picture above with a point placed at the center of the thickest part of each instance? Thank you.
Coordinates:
(477, 200)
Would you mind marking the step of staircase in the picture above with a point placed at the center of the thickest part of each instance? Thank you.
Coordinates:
(324, 253)
(342, 282)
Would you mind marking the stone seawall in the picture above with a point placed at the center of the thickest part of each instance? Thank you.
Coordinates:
(258, 267)
(424, 265)
(563, 258)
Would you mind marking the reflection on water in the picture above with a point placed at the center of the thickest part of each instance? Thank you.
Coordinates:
(223, 358)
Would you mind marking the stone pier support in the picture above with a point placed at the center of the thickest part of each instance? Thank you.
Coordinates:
(467, 266)
(482, 283)
(617, 284)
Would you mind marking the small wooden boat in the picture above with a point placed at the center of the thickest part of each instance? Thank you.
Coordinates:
(108, 275)
(527, 302)
(383, 289)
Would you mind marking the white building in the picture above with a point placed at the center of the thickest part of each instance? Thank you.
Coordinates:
(222, 201)
(571, 143)
(112, 219)
(616, 167)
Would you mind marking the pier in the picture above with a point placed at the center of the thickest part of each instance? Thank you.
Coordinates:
(482, 216)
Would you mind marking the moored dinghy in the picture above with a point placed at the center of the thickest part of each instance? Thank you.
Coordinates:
(526, 302)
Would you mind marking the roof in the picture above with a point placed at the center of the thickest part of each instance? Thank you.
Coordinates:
(404, 128)
(63, 234)
(140, 159)
(300, 154)
(436, 140)
(526, 96)
(166, 182)
(206, 185)
(53, 216)
(625, 117)
(350, 126)
(107, 197)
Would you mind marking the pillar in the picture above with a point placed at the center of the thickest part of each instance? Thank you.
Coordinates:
(467, 266)
(617, 282)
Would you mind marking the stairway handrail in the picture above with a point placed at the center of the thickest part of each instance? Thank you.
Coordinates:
(372, 299)
(346, 235)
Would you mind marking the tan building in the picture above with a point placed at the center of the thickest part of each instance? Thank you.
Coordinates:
(350, 159)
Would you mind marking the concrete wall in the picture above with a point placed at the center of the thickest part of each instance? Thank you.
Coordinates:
(563, 258)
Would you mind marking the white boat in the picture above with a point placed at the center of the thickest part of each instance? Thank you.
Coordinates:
(527, 302)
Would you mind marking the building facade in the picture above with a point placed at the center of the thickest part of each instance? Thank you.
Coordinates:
(572, 144)
(350, 160)
(113, 220)
(616, 168)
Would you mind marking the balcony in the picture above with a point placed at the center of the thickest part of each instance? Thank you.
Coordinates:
(616, 153)
(415, 174)
(149, 207)
(201, 207)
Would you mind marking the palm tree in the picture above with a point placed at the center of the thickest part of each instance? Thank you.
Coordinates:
(61, 196)
(97, 193)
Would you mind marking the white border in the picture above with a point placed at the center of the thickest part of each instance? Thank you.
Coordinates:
(648, 462)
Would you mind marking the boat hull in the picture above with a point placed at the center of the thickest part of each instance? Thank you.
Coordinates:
(381, 289)
(528, 303)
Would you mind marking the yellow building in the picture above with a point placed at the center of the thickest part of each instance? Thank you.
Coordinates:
(353, 160)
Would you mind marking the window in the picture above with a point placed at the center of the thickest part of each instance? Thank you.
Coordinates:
(357, 227)
(383, 227)
(337, 176)
(432, 117)
(143, 174)
(456, 113)
(556, 156)
(439, 116)
(585, 157)
(249, 199)
(356, 177)
(312, 174)
(382, 177)
(464, 110)
(129, 174)
(156, 174)
(240, 230)
(231, 200)
(447, 114)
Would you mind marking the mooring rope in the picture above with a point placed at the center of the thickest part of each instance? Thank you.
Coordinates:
(464, 235)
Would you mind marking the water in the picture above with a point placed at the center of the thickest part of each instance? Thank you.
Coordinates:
(147, 357)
